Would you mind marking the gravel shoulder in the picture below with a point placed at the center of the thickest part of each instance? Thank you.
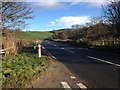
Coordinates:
(57, 73)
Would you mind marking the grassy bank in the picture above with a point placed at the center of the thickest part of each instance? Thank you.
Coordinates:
(35, 35)
(20, 70)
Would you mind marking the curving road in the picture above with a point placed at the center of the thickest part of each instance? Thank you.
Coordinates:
(96, 69)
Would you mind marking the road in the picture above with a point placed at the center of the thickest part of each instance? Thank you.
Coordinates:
(96, 69)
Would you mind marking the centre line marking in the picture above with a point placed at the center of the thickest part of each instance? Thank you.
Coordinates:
(47, 41)
(72, 77)
(104, 61)
(66, 86)
(70, 51)
(62, 48)
(81, 86)
(54, 45)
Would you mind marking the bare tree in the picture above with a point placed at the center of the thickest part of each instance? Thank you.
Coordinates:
(14, 14)
(96, 20)
(112, 14)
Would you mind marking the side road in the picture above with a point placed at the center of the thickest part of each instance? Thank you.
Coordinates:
(58, 76)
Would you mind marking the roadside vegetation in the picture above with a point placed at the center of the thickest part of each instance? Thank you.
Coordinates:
(20, 61)
(20, 70)
(21, 66)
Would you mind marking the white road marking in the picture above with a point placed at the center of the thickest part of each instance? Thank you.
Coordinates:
(72, 77)
(81, 86)
(66, 86)
(104, 61)
(47, 41)
(43, 47)
(53, 57)
(68, 50)
(62, 48)
(54, 45)
(49, 53)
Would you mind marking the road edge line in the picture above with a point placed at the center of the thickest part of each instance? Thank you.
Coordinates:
(48, 53)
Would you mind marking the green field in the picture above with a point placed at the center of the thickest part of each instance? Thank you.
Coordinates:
(35, 35)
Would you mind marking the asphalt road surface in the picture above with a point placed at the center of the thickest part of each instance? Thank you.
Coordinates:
(97, 69)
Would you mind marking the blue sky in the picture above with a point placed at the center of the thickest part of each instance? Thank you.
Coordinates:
(53, 14)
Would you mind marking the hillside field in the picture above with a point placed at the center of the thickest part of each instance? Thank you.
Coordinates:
(35, 35)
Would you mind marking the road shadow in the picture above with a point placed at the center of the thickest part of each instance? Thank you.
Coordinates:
(28, 50)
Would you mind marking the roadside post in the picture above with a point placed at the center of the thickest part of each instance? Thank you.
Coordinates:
(39, 50)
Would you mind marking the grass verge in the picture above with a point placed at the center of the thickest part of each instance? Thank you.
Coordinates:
(20, 70)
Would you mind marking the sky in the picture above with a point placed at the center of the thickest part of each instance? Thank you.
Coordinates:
(58, 14)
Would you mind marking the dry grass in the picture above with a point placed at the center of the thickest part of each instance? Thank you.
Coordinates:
(9, 41)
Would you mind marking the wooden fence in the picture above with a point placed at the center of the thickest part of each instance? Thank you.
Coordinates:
(6, 50)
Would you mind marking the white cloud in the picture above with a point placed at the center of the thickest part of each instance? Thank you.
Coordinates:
(58, 4)
(70, 20)
(50, 4)
(98, 3)
(93, 3)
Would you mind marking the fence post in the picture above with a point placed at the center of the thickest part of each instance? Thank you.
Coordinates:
(39, 50)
